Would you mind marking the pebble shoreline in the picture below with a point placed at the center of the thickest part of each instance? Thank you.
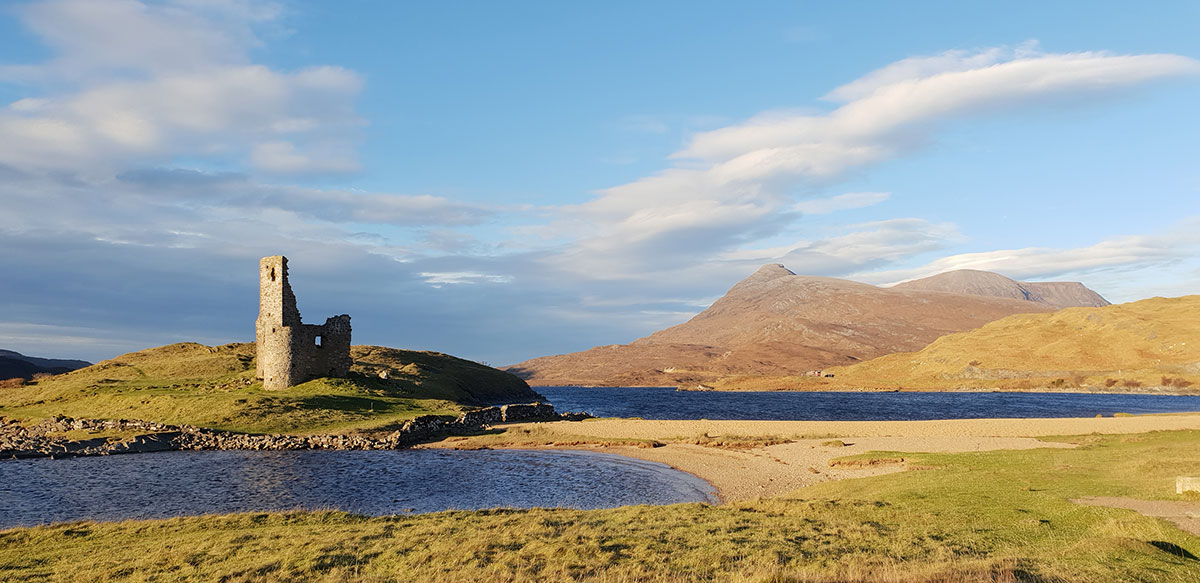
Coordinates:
(19, 441)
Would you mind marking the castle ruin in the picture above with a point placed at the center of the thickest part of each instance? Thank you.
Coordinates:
(291, 352)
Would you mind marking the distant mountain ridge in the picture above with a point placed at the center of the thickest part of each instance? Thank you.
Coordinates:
(16, 365)
(1059, 294)
(775, 322)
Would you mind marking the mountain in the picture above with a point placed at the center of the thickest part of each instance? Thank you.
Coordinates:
(775, 322)
(16, 365)
(1154, 342)
(1059, 294)
(11, 368)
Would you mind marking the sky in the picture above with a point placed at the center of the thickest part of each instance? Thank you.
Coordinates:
(505, 180)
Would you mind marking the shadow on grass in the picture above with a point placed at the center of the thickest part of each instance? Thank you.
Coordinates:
(345, 403)
(1173, 549)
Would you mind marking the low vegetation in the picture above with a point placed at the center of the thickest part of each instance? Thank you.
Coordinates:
(533, 436)
(992, 516)
(215, 387)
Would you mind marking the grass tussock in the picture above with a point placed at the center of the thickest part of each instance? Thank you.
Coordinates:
(733, 441)
(532, 436)
(869, 459)
(991, 516)
(214, 386)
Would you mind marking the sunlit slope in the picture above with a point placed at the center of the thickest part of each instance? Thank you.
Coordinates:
(775, 322)
(214, 386)
(1119, 345)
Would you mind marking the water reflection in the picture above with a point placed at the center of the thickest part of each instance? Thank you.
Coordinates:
(368, 482)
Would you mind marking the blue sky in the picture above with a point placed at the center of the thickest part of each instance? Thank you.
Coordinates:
(508, 180)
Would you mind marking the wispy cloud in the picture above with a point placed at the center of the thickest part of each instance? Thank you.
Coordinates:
(890, 108)
(1179, 243)
(841, 202)
(740, 183)
(438, 279)
(195, 189)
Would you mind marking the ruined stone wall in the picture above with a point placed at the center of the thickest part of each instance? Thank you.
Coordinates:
(322, 351)
(289, 351)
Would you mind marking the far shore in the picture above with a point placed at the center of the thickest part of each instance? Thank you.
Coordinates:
(744, 460)
(704, 387)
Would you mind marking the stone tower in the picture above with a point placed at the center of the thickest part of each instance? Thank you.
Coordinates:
(291, 352)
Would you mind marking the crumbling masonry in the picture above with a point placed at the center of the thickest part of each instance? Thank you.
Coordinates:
(290, 352)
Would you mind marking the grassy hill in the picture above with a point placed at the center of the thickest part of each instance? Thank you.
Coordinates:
(1146, 344)
(214, 386)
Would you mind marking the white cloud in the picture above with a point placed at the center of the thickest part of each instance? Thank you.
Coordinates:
(438, 279)
(739, 183)
(917, 93)
(861, 246)
(134, 82)
(96, 38)
(283, 157)
(920, 67)
(1182, 242)
(841, 202)
(191, 189)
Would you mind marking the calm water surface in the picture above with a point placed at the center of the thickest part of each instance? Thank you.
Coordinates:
(395, 482)
(167, 484)
(667, 403)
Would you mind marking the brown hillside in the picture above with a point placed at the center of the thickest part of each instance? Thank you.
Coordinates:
(1058, 294)
(778, 323)
(1152, 342)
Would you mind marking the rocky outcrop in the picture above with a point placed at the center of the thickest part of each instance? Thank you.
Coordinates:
(42, 440)
(530, 412)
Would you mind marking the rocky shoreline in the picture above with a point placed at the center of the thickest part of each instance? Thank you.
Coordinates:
(39, 440)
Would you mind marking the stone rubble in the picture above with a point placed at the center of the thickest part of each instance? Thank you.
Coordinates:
(20, 441)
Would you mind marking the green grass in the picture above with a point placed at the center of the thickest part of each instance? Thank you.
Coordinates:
(215, 387)
(993, 516)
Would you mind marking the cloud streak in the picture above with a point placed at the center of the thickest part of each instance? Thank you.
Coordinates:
(1180, 243)
(740, 183)
(841, 202)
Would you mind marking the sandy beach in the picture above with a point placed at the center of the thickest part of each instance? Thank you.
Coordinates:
(745, 473)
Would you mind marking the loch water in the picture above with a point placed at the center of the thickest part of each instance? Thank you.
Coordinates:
(668, 403)
(378, 483)
(159, 485)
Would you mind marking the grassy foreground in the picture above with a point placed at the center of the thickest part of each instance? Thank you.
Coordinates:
(993, 516)
(214, 387)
